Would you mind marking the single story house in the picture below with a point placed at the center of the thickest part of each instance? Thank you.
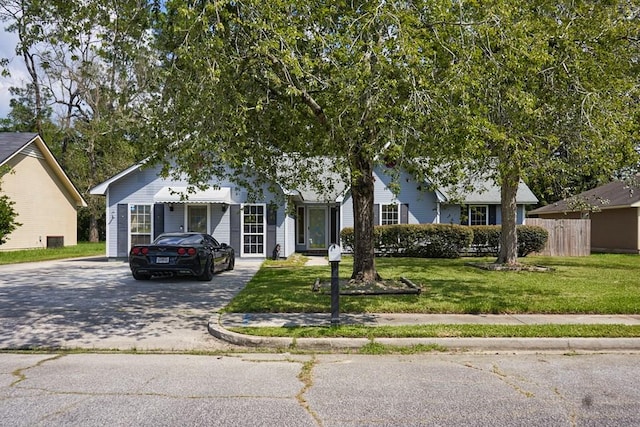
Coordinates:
(140, 205)
(614, 211)
(46, 200)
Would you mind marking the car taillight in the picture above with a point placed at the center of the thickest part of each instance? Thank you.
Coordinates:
(139, 251)
(187, 251)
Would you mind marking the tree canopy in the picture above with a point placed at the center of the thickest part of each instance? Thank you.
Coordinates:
(542, 91)
(547, 90)
(249, 82)
(88, 63)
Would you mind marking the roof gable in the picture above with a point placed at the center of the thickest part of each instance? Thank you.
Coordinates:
(11, 143)
(15, 143)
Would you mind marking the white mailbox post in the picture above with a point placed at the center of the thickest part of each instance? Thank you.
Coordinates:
(335, 254)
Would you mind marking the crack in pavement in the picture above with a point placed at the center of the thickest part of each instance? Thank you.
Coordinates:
(20, 371)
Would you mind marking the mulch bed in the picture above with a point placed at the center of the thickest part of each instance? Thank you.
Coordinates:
(504, 267)
(381, 287)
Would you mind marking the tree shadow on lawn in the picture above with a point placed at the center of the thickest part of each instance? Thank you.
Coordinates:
(474, 298)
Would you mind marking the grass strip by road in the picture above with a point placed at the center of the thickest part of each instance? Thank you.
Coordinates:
(82, 249)
(447, 331)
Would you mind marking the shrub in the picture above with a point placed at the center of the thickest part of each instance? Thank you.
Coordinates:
(446, 241)
(531, 238)
(416, 240)
(486, 239)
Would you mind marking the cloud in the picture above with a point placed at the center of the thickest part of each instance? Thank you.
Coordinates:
(19, 75)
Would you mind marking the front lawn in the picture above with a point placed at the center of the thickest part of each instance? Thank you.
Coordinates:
(598, 284)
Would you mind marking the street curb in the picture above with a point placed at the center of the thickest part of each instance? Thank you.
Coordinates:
(451, 344)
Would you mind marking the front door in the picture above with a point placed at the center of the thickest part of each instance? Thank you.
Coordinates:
(317, 235)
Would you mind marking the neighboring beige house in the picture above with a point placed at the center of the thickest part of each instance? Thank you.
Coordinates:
(45, 199)
(614, 211)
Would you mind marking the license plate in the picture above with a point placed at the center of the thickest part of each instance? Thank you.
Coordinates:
(162, 260)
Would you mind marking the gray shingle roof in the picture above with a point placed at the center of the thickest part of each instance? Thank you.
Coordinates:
(486, 191)
(12, 142)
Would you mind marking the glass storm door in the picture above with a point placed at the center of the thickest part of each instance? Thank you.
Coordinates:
(317, 228)
(197, 218)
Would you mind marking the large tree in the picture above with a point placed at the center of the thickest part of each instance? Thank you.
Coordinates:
(247, 83)
(547, 89)
(30, 20)
(91, 59)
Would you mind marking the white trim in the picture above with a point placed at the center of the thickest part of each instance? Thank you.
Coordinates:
(264, 231)
(107, 220)
(129, 205)
(486, 218)
(397, 205)
(175, 194)
(326, 210)
(102, 188)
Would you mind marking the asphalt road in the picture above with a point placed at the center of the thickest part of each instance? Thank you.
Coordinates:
(322, 390)
(94, 303)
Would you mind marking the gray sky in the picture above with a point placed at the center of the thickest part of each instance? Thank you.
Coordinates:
(19, 74)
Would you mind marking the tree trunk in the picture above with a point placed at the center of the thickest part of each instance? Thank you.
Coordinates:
(94, 236)
(362, 195)
(508, 237)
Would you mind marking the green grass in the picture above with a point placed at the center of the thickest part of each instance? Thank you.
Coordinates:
(82, 249)
(447, 331)
(598, 284)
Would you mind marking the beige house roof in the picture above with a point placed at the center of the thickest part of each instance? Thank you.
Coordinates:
(15, 143)
(614, 195)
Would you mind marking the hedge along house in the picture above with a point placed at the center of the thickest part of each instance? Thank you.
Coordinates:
(140, 205)
(46, 200)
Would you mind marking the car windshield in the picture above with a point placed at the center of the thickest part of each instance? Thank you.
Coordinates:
(181, 239)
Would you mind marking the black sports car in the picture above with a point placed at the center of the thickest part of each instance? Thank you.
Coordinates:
(171, 254)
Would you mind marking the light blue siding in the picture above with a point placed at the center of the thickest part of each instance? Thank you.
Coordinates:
(450, 214)
(423, 207)
(140, 186)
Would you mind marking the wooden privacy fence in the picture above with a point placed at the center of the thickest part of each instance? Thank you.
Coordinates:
(567, 237)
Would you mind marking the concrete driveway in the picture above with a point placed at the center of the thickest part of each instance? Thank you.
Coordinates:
(95, 303)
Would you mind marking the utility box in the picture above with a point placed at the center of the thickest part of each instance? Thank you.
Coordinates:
(55, 241)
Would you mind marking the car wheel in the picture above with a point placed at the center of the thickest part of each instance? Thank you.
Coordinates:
(140, 276)
(232, 263)
(207, 273)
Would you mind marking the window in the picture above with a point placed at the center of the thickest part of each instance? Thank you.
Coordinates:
(478, 215)
(389, 215)
(140, 224)
(253, 229)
